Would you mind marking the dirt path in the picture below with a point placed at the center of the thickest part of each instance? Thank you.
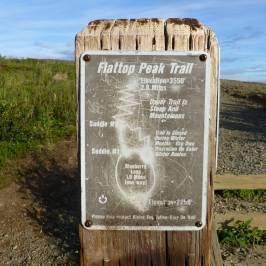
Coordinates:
(39, 214)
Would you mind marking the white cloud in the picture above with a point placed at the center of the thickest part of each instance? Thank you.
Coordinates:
(42, 51)
(247, 73)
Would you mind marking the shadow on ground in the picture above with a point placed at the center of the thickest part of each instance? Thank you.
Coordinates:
(243, 116)
(52, 182)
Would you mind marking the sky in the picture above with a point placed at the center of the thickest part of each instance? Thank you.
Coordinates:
(47, 28)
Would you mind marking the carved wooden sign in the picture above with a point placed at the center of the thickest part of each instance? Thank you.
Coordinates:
(144, 125)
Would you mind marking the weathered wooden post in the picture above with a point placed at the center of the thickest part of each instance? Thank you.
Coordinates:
(148, 100)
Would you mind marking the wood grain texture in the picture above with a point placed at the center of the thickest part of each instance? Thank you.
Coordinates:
(239, 182)
(146, 248)
(216, 257)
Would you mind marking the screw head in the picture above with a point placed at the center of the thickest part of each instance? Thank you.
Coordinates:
(88, 223)
(86, 58)
(203, 57)
(198, 223)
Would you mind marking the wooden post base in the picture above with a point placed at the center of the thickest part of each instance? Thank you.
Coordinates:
(138, 248)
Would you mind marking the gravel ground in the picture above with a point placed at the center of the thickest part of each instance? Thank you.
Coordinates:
(39, 216)
(23, 241)
(242, 140)
(222, 205)
(242, 150)
(244, 257)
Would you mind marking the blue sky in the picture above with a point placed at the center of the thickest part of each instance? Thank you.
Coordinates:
(46, 28)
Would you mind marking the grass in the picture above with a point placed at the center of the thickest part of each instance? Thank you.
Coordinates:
(244, 194)
(37, 105)
(241, 234)
(248, 90)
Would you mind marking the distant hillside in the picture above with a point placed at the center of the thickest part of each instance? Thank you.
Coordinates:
(249, 90)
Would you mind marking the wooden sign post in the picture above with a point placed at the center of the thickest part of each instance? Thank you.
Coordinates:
(187, 57)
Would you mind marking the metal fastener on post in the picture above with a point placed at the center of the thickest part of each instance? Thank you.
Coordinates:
(86, 58)
(88, 223)
(203, 57)
(198, 223)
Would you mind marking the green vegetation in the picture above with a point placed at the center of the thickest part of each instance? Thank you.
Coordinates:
(37, 105)
(244, 194)
(241, 234)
